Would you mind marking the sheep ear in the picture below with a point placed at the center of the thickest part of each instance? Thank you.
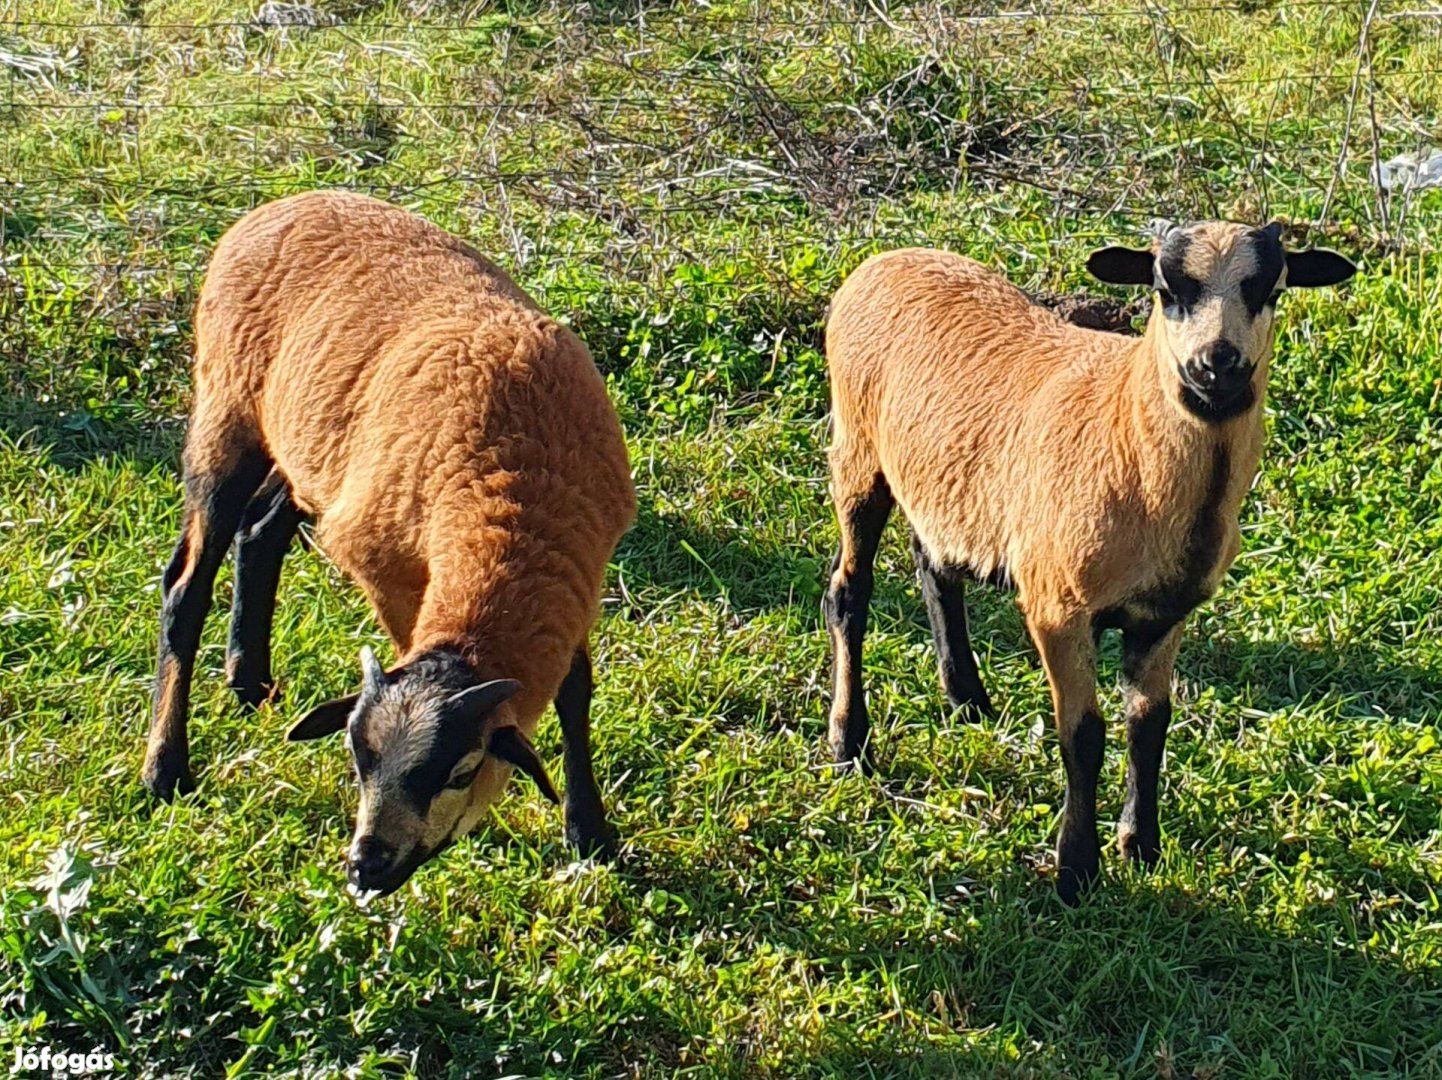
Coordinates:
(1122, 266)
(511, 746)
(323, 720)
(1311, 269)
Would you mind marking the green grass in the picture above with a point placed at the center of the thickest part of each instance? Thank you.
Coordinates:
(687, 186)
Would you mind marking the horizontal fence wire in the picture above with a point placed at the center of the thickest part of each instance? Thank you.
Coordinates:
(647, 140)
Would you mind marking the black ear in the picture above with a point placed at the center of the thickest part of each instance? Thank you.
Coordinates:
(477, 701)
(323, 720)
(1310, 269)
(1122, 266)
(510, 745)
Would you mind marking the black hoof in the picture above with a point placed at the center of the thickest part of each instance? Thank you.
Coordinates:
(970, 702)
(972, 710)
(1074, 882)
(1136, 847)
(854, 759)
(591, 840)
(251, 682)
(167, 775)
(252, 695)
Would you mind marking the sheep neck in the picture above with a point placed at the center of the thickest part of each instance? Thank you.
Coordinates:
(510, 603)
(1175, 452)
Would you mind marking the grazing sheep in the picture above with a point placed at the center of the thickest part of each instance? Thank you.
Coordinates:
(1100, 475)
(463, 463)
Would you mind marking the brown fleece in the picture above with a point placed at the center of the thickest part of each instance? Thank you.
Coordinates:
(1064, 459)
(454, 443)
(1019, 443)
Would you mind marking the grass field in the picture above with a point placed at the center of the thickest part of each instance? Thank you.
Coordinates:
(687, 185)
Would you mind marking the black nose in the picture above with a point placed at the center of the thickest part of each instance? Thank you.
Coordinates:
(370, 858)
(1220, 358)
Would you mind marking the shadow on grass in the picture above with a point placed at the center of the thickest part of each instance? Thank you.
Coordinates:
(1276, 675)
(597, 11)
(1140, 970)
(670, 556)
(1145, 982)
(907, 972)
(73, 437)
(1134, 976)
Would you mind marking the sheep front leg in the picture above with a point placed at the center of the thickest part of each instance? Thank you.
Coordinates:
(1068, 653)
(1149, 653)
(270, 523)
(586, 827)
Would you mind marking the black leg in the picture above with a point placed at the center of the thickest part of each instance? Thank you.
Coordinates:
(1149, 654)
(586, 827)
(1078, 852)
(265, 533)
(945, 596)
(1070, 660)
(845, 608)
(214, 506)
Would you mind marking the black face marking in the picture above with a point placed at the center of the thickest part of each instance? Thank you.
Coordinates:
(459, 781)
(1215, 410)
(428, 778)
(401, 873)
(1259, 288)
(366, 759)
(1173, 281)
(432, 677)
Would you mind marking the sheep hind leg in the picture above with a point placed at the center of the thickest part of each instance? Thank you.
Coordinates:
(944, 591)
(219, 481)
(266, 531)
(586, 828)
(862, 516)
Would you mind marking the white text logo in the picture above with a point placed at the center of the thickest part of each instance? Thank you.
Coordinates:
(59, 1063)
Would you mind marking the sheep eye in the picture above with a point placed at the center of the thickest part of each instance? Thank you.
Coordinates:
(462, 780)
(1276, 295)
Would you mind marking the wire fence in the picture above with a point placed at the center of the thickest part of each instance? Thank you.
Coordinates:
(638, 140)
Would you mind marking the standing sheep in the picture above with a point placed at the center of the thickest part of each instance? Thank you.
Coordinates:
(463, 463)
(1101, 475)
